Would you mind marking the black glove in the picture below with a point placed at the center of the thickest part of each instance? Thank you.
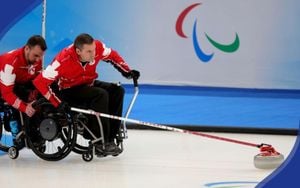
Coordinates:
(134, 74)
(63, 107)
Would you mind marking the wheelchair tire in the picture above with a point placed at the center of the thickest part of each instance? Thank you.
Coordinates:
(45, 133)
(82, 145)
(79, 147)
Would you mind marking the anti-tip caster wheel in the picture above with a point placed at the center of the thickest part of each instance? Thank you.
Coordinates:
(87, 156)
(13, 152)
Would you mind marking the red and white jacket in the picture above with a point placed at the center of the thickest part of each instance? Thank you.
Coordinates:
(67, 69)
(15, 70)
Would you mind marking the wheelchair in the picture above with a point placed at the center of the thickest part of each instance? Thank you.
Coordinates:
(86, 146)
(50, 134)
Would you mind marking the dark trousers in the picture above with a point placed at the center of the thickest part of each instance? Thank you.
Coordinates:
(102, 97)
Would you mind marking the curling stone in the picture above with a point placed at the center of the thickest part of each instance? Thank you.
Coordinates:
(268, 158)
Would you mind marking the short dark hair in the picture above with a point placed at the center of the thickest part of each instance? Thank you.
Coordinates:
(82, 39)
(37, 40)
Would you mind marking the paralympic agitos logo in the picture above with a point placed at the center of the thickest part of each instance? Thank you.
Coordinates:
(229, 48)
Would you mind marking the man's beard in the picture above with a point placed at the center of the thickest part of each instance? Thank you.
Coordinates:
(27, 60)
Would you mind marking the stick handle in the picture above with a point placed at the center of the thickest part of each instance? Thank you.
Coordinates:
(135, 82)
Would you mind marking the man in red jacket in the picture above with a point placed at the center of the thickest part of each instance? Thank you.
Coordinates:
(75, 70)
(17, 70)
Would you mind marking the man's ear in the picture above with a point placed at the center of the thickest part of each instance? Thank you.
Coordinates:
(77, 51)
(27, 48)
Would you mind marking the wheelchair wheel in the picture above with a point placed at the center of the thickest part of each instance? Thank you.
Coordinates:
(82, 144)
(51, 135)
(13, 152)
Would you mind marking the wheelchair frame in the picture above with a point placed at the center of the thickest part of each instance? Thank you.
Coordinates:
(88, 152)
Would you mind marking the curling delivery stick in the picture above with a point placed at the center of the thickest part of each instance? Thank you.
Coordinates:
(268, 157)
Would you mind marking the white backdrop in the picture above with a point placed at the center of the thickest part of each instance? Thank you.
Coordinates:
(144, 33)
